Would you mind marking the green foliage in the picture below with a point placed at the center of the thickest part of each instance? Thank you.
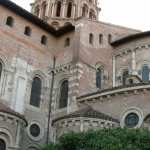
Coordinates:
(107, 139)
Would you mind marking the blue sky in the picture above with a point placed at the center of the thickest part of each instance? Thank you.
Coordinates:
(129, 13)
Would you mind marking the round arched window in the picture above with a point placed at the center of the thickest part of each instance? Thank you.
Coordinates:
(2, 145)
(35, 130)
(131, 120)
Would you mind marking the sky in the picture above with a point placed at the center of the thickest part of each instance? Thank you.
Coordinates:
(128, 13)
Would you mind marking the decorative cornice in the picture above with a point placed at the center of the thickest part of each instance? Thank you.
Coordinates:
(108, 93)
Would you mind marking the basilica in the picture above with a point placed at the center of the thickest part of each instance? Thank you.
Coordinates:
(62, 70)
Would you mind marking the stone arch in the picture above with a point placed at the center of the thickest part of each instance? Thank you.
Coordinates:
(58, 8)
(44, 8)
(44, 83)
(7, 137)
(57, 85)
(85, 10)
(37, 10)
(92, 14)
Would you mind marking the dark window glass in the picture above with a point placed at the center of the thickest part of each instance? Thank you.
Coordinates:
(100, 38)
(63, 94)
(27, 31)
(131, 120)
(67, 42)
(36, 92)
(44, 40)
(145, 73)
(2, 145)
(58, 11)
(34, 130)
(124, 76)
(98, 78)
(69, 11)
(91, 38)
(10, 21)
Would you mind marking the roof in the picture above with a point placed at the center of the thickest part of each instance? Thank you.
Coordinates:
(6, 109)
(88, 112)
(35, 20)
(113, 89)
(130, 38)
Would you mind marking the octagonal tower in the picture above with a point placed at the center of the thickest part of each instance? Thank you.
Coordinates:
(61, 12)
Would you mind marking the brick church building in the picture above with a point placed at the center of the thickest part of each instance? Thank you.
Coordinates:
(62, 70)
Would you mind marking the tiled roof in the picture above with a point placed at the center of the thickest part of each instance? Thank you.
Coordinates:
(88, 112)
(8, 110)
(130, 38)
(35, 20)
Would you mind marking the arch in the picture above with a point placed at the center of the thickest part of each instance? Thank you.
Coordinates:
(100, 38)
(91, 38)
(84, 10)
(37, 11)
(58, 10)
(44, 7)
(43, 40)
(145, 73)
(63, 98)
(27, 31)
(10, 21)
(69, 10)
(92, 14)
(2, 144)
(35, 97)
(99, 78)
(67, 42)
(125, 74)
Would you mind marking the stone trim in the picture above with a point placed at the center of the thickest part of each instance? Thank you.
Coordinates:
(106, 94)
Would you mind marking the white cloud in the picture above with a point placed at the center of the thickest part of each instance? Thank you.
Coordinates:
(130, 13)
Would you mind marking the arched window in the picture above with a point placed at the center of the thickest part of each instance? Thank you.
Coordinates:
(100, 38)
(124, 76)
(44, 7)
(91, 38)
(37, 11)
(44, 40)
(2, 144)
(145, 73)
(58, 10)
(67, 42)
(36, 92)
(10, 21)
(27, 31)
(63, 101)
(92, 14)
(69, 11)
(84, 10)
(99, 78)
(109, 38)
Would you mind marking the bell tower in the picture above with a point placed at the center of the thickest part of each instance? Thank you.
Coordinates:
(61, 12)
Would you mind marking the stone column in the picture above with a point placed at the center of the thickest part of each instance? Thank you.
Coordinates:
(64, 9)
(53, 10)
(134, 71)
(74, 11)
(114, 71)
(48, 8)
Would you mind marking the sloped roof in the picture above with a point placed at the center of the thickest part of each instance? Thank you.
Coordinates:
(8, 110)
(88, 112)
(35, 20)
(130, 38)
